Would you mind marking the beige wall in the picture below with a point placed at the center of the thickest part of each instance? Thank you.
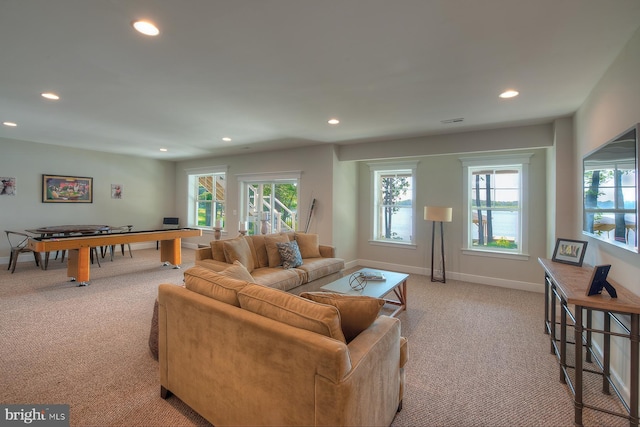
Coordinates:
(612, 107)
(560, 197)
(149, 188)
(439, 183)
(315, 164)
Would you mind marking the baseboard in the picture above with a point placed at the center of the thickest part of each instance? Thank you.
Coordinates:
(471, 278)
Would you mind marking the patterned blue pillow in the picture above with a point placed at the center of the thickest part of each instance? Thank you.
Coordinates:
(290, 254)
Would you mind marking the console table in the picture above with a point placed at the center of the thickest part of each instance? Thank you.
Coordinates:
(566, 286)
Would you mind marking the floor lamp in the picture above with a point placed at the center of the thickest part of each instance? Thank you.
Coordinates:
(437, 214)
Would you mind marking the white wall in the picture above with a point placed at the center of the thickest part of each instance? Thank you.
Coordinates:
(612, 107)
(149, 188)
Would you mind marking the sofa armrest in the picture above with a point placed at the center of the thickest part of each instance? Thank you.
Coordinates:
(212, 264)
(204, 253)
(375, 374)
(327, 251)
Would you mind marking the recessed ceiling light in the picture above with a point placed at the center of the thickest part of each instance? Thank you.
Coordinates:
(50, 95)
(145, 27)
(163, 149)
(509, 93)
(333, 121)
(10, 124)
(226, 139)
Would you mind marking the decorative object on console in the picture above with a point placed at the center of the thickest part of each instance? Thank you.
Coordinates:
(438, 214)
(242, 228)
(599, 281)
(569, 251)
(264, 218)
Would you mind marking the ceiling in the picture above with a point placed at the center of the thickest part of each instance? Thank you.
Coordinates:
(270, 73)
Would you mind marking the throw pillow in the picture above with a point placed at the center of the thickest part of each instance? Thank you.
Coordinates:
(273, 254)
(292, 310)
(237, 271)
(238, 249)
(213, 285)
(290, 254)
(309, 245)
(357, 312)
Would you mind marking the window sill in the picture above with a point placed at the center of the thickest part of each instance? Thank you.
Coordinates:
(392, 244)
(495, 254)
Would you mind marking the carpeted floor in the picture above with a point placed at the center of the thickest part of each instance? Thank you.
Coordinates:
(477, 354)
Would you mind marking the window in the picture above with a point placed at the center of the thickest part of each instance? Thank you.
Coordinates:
(207, 197)
(270, 202)
(495, 214)
(393, 206)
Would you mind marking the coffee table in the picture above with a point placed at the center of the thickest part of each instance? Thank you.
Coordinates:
(396, 282)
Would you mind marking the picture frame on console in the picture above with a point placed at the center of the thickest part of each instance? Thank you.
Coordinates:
(569, 251)
(67, 189)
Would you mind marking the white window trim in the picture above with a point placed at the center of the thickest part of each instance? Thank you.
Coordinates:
(384, 166)
(523, 160)
(295, 175)
(190, 172)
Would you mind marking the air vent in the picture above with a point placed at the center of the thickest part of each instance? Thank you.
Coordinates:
(446, 122)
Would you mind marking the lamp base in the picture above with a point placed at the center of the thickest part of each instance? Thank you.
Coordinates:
(438, 279)
(442, 279)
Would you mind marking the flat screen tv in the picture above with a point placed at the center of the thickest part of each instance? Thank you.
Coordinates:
(610, 191)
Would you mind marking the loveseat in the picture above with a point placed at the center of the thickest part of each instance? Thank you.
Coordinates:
(239, 353)
(262, 258)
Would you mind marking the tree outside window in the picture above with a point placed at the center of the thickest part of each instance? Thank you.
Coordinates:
(495, 215)
(394, 193)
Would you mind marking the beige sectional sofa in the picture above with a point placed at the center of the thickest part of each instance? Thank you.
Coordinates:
(239, 353)
(261, 257)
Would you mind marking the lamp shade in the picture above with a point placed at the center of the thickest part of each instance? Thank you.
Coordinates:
(438, 213)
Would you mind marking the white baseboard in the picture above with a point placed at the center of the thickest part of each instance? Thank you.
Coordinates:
(471, 278)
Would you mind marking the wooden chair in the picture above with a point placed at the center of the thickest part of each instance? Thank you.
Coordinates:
(19, 244)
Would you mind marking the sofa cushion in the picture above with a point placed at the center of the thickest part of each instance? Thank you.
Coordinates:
(217, 250)
(309, 245)
(316, 268)
(213, 284)
(238, 249)
(278, 277)
(290, 254)
(292, 310)
(357, 312)
(273, 254)
(261, 258)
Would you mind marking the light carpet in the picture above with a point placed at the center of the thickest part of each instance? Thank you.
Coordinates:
(477, 354)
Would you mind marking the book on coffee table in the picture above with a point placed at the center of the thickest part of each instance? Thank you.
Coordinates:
(373, 275)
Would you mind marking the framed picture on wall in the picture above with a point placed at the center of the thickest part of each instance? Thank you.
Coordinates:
(67, 189)
(569, 251)
(116, 191)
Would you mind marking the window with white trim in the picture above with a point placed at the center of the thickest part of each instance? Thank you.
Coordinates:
(495, 205)
(393, 213)
(269, 202)
(207, 197)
